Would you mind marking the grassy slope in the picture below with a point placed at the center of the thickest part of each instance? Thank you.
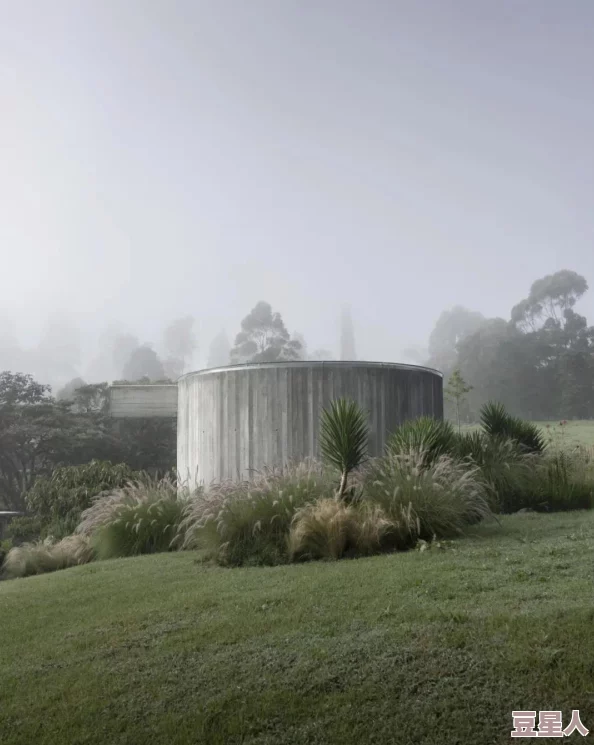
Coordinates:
(432, 647)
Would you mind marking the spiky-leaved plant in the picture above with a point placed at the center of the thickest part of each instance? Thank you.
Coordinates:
(426, 435)
(344, 435)
(496, 422)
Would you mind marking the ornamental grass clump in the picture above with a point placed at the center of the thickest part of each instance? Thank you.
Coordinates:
(331, 529)
(141, 518)
(248, 523)
(48, 556)
(426, 501)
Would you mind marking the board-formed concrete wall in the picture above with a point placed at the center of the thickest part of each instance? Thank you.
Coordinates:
(235, 420)
(134, 401)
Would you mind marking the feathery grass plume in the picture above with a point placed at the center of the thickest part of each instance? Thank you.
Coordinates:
(432, 437)
(344, 435)
(142, 517)
(506, 469)
(325, 529)
(331, 529)
(48, 556)
(426, 501)
(248, 522)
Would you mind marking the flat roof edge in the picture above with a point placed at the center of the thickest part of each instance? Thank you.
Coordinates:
(305, 363)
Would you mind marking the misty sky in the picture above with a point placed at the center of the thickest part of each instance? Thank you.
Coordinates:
(169, 158)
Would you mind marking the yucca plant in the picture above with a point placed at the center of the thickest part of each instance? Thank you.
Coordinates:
(432, 437)
(496, 422)
(344, 435)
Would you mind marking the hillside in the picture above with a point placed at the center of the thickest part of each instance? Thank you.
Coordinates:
(426, 647)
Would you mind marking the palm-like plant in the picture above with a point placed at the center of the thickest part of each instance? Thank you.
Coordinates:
(344, 435)
(497, 422)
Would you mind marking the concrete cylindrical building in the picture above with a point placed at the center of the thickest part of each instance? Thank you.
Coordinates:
(235, 420)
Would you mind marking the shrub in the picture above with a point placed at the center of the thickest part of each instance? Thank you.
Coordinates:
(432, 437)
(5, 547)
(25, 529)
(331, 529)
(248, 523)
(426, 501)
(47, 556)
(142, 517)
(60, 499)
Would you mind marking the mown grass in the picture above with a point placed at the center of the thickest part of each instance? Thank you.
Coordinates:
(428, 647)
(579, 432)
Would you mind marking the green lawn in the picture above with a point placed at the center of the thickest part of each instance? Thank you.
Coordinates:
(573, 433)
(434, 647)
(580, 432)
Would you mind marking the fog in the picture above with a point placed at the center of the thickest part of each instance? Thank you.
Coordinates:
(166, 160)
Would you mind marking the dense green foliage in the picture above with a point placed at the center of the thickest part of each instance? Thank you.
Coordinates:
(539, 363)
(59, 500)
(24, 529)
(424, 647)
(39, 433)
(5, 547)
(427, 501)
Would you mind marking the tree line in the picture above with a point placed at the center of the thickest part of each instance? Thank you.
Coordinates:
(539, 363)
(40, 431)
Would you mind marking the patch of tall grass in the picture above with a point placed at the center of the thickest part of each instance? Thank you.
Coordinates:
(248, 523)
(331, 529)
(48, 556)
(563, 481)
(140, 518)
(507, 471)
(294, 514)
(426, 501)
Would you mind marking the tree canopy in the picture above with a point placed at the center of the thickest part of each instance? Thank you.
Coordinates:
(264, 338)
(539, 364)
(39, 433)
